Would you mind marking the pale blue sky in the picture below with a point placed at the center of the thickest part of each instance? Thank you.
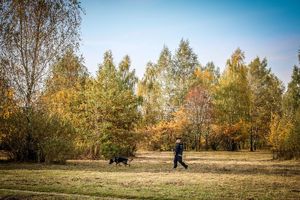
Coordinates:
(214, 28)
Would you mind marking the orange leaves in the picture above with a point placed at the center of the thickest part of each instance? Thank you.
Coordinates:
(59, 102)
(204, 76)
(237, 131)
(229, 134)
(7, 102)
(198, 96)
(162, 135)
(180, 120)
(281, 128)
(198, 107)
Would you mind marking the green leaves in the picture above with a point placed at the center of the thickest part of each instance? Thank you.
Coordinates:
(265, 98)
(113, 106)
(285, 129)
(232, 99)
(292, 96)
(105, 115)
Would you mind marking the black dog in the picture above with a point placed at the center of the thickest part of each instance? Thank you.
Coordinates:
(119, 160)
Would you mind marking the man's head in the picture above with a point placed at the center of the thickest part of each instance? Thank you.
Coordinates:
(178, 140)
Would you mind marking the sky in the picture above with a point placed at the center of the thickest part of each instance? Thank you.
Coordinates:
(215, 28)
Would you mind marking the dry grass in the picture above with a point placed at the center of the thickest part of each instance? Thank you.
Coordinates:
(211, 175)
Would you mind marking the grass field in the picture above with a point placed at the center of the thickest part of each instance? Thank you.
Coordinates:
(211, 175)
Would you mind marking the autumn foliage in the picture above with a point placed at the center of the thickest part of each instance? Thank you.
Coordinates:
(53, 109)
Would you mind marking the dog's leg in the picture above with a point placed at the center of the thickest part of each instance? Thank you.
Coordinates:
(129, 161)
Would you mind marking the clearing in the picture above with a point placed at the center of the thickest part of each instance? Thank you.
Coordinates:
(211, 175)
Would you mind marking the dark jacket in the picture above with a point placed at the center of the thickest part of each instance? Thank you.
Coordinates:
(179, 149)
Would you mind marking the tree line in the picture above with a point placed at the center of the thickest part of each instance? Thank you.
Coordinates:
(244, 107)
(53, 109)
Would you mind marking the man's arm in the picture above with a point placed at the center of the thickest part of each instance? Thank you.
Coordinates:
(177, 149)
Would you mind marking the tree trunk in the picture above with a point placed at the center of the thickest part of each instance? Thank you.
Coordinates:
(196, 142)
(199, 141)
(251, 140)
(28, 136)
(234, 145)
(206, 142)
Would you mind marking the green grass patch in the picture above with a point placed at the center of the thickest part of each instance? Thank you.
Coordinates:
(211, 175)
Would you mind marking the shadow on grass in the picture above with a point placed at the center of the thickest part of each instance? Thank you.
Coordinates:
(267, 168)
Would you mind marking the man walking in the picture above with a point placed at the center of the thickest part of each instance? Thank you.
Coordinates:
(178, 154)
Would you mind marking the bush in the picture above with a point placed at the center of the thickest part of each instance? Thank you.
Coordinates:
(56, 150)
(122, 143)
(56, 140)
(37, 137)
(13, 137)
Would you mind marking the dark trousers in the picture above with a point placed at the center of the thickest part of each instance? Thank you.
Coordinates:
(178, 158)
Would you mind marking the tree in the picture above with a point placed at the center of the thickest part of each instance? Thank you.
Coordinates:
(164, 78)
(265, 100)
(150, 90)
(292, 97)
(291, 107)
(7, 101)
(210, 66)
(64, 94)
(232, 101)
(67, 72)
(281, 130)
(54, 119)
(199, 112)
(8, 107)
(285, 126)
(112, 109)
(64, 87)
(128, 77)
(185, 63)
(33, 35)
(206, 78)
